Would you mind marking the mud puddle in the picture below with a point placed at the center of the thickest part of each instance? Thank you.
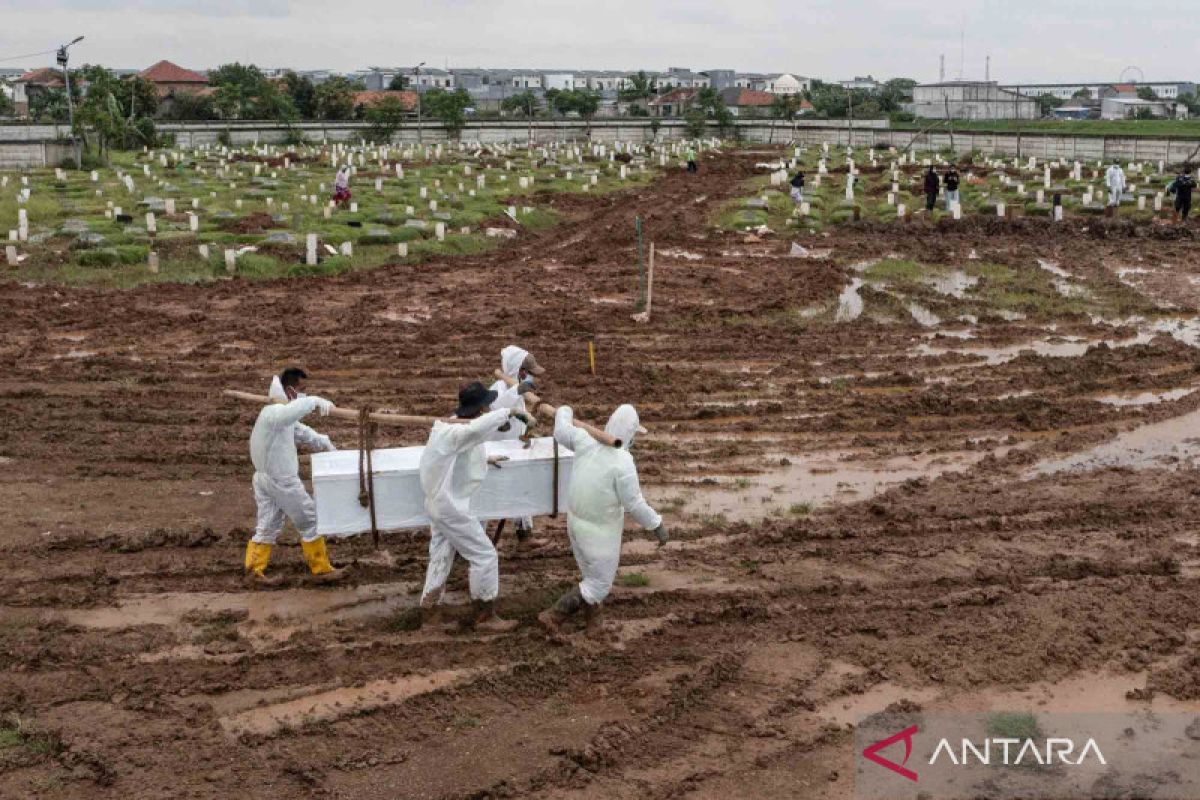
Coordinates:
(1167, 444)
(1090, 692)
(810, 480)
(1125, 399)
(850, 302)
(174, 608)
(1058, 347)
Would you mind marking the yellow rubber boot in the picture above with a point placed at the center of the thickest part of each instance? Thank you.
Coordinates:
(258, 556)
(318, 561)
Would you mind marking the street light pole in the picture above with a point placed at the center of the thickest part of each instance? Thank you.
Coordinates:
(417, 89)
(62, 62)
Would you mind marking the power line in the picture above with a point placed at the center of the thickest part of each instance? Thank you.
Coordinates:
(28, 55)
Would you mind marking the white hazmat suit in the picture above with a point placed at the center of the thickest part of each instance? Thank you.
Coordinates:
(511, 359)
(1114, 178)
(452, 467)
(278, 490)
(604, 485)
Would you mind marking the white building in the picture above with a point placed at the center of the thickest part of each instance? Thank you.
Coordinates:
(563, 81)
(971, 100)
(867, 84)
(1167, 90)
(785, 84)
(431, 78)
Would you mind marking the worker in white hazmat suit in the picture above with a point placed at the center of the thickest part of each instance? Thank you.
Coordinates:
(1114, 179)
(452, 467)
(278, 490)
(604, 486)
(521, 366)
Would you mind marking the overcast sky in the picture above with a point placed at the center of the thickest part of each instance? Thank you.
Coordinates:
(1029, 40)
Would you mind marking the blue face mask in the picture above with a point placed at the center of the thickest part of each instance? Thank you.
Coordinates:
(528, 379)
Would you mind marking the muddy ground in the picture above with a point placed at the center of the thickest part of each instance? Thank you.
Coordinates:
(866, 510)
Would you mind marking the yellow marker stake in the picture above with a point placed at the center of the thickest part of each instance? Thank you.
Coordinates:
(592, 356)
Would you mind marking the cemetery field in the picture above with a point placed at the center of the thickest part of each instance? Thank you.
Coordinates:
(889, 187)
(937, 464)
(212, 214)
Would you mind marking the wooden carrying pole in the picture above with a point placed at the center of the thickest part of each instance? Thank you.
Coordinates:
(599, 435)
(345, 413)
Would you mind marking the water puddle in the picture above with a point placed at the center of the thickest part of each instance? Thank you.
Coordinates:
(955, 283)
(811, 480)
(678, 253)
(1086, 693)
(1142, 398)
(1053, 269)
(1167, 444)
(171, 608)
(1058, 347)
(338, 703)
(850, 302)
(923, 316)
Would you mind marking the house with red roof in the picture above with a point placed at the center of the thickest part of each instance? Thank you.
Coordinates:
(169, 79)
(674, 103)
(28, 86)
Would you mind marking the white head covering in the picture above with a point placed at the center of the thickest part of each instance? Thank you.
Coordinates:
(511, 359)
(623, 425)
(277, 392)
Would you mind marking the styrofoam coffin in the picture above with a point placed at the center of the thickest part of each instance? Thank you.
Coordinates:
(520, 488)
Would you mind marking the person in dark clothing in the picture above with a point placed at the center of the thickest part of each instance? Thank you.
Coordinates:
(932, 184)
(951, 184)
(797, 192)
(1182, 188)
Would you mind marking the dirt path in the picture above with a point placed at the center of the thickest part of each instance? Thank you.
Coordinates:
(912, 549)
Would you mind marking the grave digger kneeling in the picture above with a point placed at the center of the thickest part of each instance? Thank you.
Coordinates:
(447, 485)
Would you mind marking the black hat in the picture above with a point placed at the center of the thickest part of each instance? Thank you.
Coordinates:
(473, 398)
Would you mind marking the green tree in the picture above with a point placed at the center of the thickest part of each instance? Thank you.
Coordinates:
(243, 92)
(894, 94)
(189, 106)
(1047, 103)
(1143, 113)
(449, 108)
(303, 93)
(48, 105)
(695, 123)
(398, 83)
(334, 98)
(385, 118)
(1189, 101)
(526, 103)
(1147, 93)
(638, 91)
(1082, 94)
(7, 107)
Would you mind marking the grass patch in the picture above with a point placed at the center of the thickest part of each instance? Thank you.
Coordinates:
(17, 733)
(633, 580)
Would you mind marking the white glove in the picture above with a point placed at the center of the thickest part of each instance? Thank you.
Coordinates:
(324, 406)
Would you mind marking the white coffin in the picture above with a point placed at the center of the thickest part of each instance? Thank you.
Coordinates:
(520, 488)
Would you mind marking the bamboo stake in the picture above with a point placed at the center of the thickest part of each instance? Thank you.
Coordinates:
(348, 413)
(598, 434)
(644, 315)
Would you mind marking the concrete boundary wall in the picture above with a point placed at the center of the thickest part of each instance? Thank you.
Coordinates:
(27, 146)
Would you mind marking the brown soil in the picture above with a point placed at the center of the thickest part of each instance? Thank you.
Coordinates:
(139, 667)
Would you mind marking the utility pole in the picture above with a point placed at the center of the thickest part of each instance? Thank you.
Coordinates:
(417, 89)
(942, 69)
(62, 62)
(987, 70)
